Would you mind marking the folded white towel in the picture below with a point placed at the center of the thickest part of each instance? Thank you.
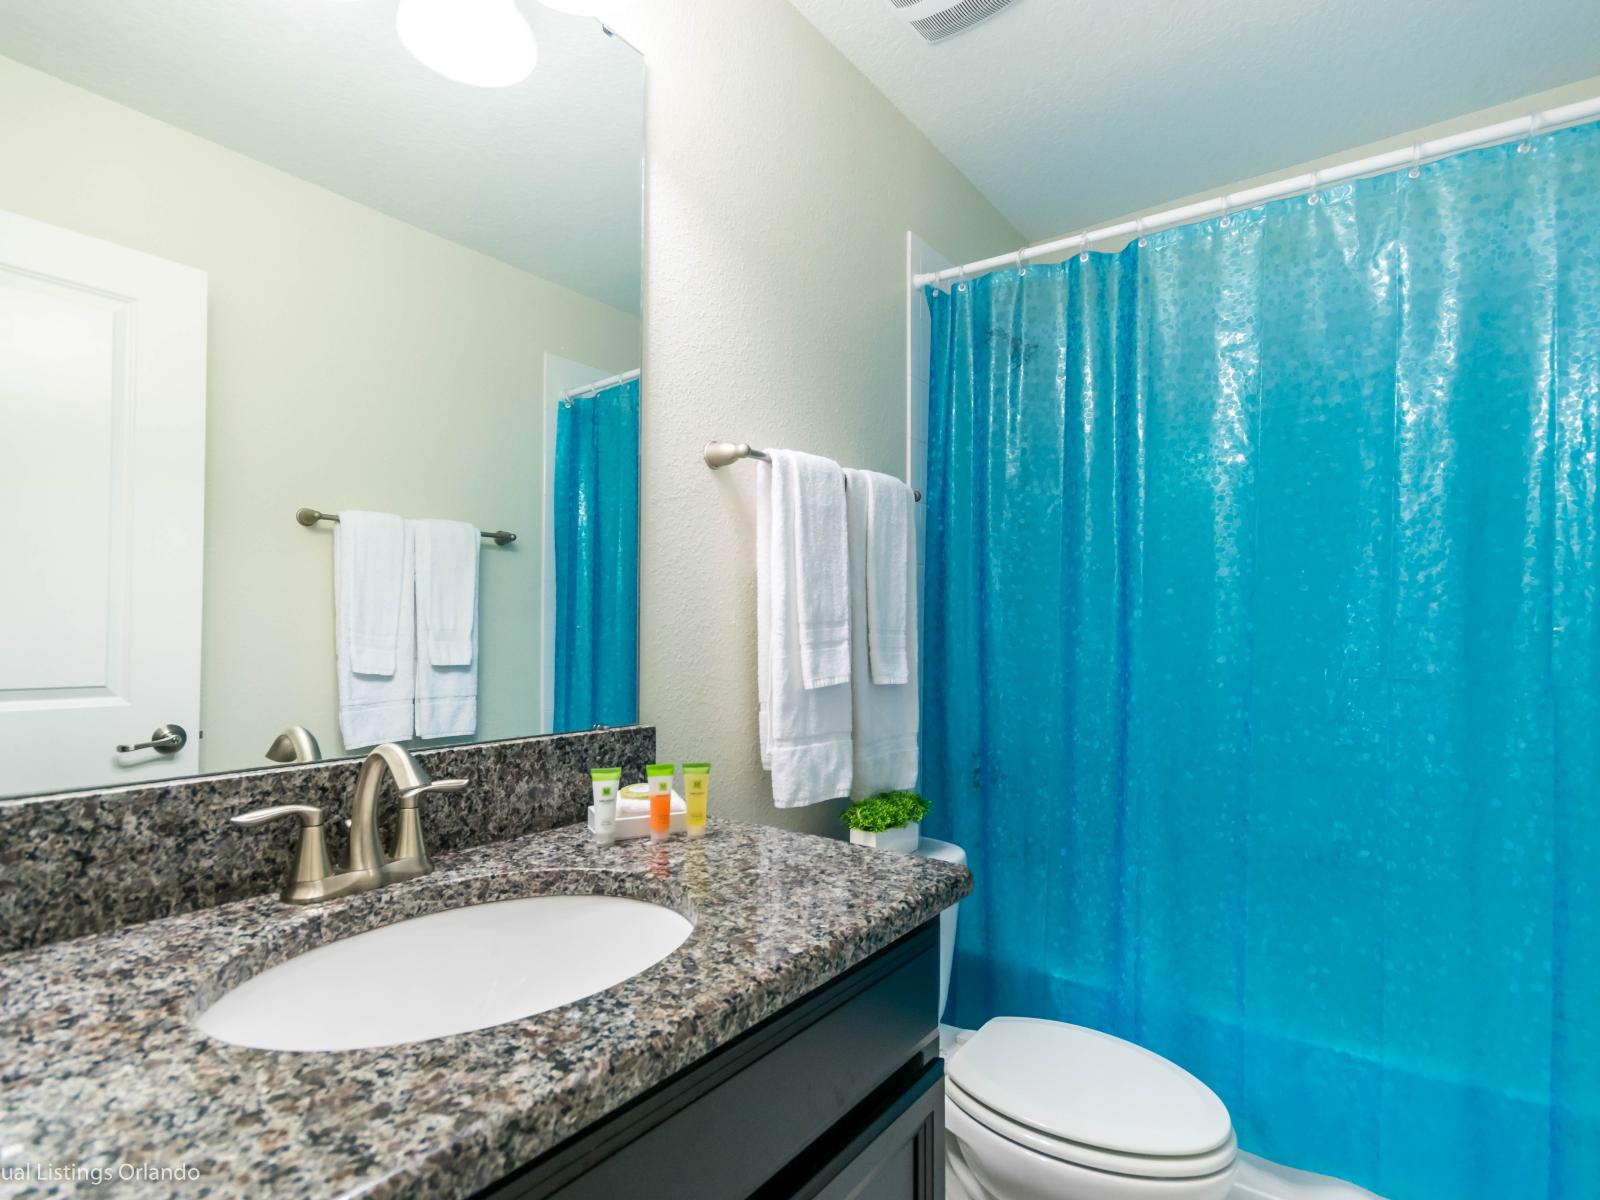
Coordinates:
(447, 696)
(369, 552)
(374, 577)
(888, 513)
(885, 717)
(633, 806)
(447, 590)
(808, 498)
(804, 724)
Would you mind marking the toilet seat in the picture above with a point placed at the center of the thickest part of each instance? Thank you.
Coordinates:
(983, 1165)
(1083, 1097)
(1139, 1166)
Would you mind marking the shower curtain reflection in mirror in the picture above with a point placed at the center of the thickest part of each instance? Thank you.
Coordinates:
(595, 509)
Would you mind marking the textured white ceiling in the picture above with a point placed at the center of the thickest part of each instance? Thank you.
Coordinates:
(545, 175)
(1066, 114)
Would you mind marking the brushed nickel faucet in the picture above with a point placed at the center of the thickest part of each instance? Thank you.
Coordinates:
(311, 876)
(295, 744)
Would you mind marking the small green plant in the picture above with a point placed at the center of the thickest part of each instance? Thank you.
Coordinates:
(885, 811)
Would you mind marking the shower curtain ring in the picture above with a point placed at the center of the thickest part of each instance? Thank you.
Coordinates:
(1416, 161)
(1021, 267)
(1084, 254)
(1533, 132)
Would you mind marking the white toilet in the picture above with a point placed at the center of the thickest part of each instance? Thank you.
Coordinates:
(1043, 1110)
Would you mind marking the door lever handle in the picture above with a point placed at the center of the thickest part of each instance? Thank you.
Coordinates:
(167, 739)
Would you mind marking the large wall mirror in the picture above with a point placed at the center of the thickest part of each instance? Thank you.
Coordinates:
(267, 263)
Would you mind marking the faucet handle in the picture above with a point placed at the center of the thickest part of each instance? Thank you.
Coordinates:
(310, 868)
(410, 857)
(438, 785)
(310, 815)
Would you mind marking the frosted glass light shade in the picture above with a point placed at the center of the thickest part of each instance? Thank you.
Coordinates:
(485, 43)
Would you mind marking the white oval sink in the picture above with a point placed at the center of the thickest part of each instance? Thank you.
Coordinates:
(448, 972)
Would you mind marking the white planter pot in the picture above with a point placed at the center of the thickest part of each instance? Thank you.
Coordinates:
(900, 840)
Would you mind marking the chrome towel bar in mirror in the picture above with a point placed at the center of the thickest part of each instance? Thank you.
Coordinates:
(310, 516)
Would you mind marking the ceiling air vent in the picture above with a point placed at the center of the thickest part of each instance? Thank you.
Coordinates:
(939, 20)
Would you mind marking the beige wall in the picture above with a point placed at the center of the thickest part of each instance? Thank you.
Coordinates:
(781, 185)
(354, 362)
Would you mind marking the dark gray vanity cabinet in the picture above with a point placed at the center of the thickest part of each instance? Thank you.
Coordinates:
(898, 1155)
(839, 1097)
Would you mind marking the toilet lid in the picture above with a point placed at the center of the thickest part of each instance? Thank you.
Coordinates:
(1091, 1088)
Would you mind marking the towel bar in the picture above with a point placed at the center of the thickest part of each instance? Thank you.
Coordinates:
(721, 454)
(310, 516)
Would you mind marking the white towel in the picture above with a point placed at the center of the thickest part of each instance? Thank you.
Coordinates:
(630, 806)
(808, 494)
(447, 696)
(804, 729)
(888, 513)
(447, 590)
(885, 717)
(369, 567)
(374, 576)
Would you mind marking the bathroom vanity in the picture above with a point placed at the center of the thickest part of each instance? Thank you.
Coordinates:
(840, 1094)
(788, 1047)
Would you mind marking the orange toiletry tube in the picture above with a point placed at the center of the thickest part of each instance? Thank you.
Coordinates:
(659, 777)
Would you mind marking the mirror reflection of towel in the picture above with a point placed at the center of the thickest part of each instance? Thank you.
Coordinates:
(447, 628)
(375, 627)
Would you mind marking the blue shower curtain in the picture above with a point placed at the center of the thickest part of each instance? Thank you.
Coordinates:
(1263, 677)
(595, 508)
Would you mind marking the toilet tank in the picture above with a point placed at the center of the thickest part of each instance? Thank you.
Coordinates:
(951, 853)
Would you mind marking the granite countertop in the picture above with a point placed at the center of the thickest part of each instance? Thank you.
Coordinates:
(100, 1065)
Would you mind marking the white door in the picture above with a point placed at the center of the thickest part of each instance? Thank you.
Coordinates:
(102, 493)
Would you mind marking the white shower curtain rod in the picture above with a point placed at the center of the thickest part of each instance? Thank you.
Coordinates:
(600, 385)
(1521, 127)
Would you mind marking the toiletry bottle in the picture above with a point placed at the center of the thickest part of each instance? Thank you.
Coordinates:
(605, 781)
(659, 777)
(696, 791)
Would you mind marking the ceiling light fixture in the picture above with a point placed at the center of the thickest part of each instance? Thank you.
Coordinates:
(486, 43)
